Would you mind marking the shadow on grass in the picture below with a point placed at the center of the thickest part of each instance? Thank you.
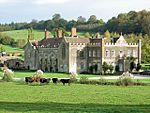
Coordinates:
(66, 107)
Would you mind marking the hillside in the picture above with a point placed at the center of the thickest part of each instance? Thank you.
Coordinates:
(10, 49)
(23, 34)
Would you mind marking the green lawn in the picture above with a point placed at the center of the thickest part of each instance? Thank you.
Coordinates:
(20, 97)
(22, 74)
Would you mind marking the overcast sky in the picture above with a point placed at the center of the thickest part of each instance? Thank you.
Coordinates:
(26, 10)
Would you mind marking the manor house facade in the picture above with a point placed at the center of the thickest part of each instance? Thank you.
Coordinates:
(75, 54)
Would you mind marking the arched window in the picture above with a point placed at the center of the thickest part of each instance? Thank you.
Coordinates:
(94, 53)
(113, 53)
(90, 53)
(107, 54)
(98, 53)
(63, 51)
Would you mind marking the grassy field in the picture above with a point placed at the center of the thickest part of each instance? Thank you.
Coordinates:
(10, 49)
(23, 34)
(19, 97)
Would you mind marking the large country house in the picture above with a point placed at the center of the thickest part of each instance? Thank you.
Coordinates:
(75, 54)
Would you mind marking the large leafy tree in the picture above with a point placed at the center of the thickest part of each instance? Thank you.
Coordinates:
(92, 19)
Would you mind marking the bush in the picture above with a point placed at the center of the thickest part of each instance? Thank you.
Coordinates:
(7, 74)
(84, 80)
(73, 77)
(126, 81)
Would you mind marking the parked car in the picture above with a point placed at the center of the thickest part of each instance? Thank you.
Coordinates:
(147, 72)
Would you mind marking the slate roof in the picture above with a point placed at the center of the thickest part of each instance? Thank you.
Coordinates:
(77, 40)
(50, 42)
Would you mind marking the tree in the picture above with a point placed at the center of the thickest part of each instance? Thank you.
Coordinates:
(111, 68)
(146, 25)
(92, 19)
(87, 35)
(107, 34)
(2, 49)
(81, 20)
(56, 17)
(30, 34)
(138, 67)
(132, 66)
(117, 68)
(105, 67)
(20, 43)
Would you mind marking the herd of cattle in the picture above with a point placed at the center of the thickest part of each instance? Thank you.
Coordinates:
(47, 80)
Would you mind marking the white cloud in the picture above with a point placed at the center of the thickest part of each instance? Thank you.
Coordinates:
(45, 2)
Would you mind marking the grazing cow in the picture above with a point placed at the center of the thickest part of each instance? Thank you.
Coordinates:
(44, 80)
(29, 80)
(64, 81)
(55, 80)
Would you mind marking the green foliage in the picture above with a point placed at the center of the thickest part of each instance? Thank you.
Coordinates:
(146, 24)
(138, 67)
(132, 66)
(92, 19)
(20, 43)
(87, 35)
(105, 67)
(2, 48)
(107, 34)
(111, 68)
(126, 81)
(84, 80)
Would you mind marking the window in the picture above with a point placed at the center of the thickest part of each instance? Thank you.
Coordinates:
(82, 66)
(90, 53)
(113, 53)
(134, 53)
(63, 51)
(107, 53)
(94, 53)
(98, 53)
(81, 54)
(90, 64)
(121, 54)
(129, 53)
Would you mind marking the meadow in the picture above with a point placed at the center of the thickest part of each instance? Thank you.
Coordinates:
(10, 49)
(23, 34)
(20, 97)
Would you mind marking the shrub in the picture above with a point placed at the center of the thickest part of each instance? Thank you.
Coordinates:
(84, 80)
(126, 81)
(7, 74)
(73, 77)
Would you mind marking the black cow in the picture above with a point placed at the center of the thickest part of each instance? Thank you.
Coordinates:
(55, 80)
(28, 79)
(64, 81)
(44, 80)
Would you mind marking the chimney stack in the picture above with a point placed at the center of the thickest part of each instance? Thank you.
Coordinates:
(46, 34)
(59, 33)
(73, 32)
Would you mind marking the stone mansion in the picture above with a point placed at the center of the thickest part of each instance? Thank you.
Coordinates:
(75, 54)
